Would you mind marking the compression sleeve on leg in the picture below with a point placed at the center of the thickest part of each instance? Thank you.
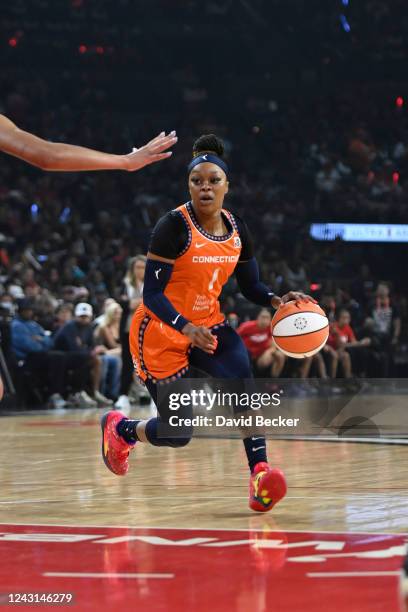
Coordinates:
(157, 275)
(247, 275)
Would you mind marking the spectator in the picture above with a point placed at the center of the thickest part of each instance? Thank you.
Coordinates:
(63, 313)
(131, 297)
(327, 351)
(107, 334)
(107, 302)
(32, 346)
(233, 319)
(386, 317)
(328, 303)
(77, 338)
(343, 340)
(108, 330)
(257, 337)
(383, 327)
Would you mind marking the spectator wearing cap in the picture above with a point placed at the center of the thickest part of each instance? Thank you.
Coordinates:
(34, 347)
(77, 338)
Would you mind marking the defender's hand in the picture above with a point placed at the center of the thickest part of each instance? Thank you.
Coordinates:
(150, 153)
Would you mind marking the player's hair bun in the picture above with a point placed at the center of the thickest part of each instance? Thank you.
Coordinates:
(208, 143)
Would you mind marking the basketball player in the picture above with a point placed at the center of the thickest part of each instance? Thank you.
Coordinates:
(65, 157)
(193, 251)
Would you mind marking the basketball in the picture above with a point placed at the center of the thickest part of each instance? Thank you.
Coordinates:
(300, 329)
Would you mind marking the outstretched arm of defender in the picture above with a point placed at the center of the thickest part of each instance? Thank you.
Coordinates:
(56, 156)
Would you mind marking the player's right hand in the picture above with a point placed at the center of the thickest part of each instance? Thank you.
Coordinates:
(152, 152)
(201, 337)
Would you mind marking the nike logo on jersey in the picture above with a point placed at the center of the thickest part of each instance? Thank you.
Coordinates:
(255, 448)
(175, 320)
(198, 246)
(157, 272)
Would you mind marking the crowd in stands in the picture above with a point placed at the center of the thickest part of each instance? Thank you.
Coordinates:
(320, 141)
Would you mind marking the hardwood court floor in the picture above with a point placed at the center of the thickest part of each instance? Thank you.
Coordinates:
(176, 533)
(51, 472)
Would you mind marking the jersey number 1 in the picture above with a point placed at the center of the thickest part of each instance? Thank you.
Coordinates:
(214, 279)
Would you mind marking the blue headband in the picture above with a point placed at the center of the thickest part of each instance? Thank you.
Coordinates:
(210, 158)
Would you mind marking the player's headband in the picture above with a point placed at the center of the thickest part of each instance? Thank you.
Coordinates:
(208, 157)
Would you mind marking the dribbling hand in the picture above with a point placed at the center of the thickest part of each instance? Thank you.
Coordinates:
(298, 296)
(152, 152)
(201, 337)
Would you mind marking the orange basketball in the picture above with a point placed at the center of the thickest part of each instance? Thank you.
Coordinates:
(300, 329)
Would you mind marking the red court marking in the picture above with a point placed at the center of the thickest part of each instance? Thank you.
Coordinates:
(213, 570)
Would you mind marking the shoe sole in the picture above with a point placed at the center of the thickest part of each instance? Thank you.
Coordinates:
(276, 488)
(103, 425)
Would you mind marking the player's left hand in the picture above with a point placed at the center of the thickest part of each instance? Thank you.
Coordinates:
(297, 296)
(152, 152)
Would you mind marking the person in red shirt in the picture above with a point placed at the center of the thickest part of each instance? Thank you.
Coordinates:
(257, 337)
(342, 337)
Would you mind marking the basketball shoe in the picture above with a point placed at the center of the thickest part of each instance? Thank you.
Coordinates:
(267, 486)
(404, 585)
(115, 450)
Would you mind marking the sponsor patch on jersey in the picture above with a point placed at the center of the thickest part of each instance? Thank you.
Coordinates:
(237, 242)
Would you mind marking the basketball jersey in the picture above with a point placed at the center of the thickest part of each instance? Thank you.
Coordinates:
(201, 270)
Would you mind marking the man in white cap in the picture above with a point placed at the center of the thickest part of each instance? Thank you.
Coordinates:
(77, 336)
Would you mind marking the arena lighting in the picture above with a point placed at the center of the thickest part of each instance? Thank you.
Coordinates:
(82, 48)
(399, 101)
(395, 177)
(64, 216)
(13, 42)
(345, 23)
(359, 232)
(34, 210)
(345, 2)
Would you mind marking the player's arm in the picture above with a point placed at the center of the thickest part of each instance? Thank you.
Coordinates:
(249, 282)
(58, 156)
(166, 243)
